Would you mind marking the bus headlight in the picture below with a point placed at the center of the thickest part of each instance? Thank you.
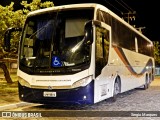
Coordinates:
(23, 82)
(82, 82)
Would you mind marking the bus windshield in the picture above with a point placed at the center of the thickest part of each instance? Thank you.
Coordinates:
(55, 39)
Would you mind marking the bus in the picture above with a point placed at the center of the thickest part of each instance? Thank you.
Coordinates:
(80, 53)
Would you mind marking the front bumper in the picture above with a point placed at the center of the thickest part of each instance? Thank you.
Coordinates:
(81, 95)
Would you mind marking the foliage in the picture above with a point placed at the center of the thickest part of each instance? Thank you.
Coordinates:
(35, 5)
(157, 52)
(10, 18)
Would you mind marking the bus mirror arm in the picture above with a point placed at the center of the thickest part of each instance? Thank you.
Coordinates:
(7, 37)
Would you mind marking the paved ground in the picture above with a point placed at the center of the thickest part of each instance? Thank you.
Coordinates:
(8, 92)
(134, 100)
(156, 82)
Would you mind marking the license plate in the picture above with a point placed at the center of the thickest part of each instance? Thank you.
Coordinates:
(49, 94)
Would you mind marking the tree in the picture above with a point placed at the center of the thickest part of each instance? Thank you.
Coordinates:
(35, 5)
(10, 18)
(157, 52)
(6, 72)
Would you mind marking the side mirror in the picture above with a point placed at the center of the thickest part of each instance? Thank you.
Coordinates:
(89, 31)
(7, 37)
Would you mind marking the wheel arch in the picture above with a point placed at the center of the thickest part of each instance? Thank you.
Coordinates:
(117, 78)
(117, 81)
(120, 83)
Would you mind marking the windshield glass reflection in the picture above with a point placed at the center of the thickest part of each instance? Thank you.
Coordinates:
(55, 41)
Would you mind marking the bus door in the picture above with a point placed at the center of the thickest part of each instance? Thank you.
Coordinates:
(102, 47)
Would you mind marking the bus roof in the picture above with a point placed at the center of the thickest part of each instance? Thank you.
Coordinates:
(89, 5)
(82, 5)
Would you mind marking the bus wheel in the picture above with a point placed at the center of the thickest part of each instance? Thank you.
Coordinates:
(117, 89)
(147, 82)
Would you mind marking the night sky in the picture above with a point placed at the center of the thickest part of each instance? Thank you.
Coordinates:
(147, 12)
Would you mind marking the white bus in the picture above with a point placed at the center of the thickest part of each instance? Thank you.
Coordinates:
(81, 53)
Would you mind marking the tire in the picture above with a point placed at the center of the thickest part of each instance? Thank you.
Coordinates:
(147, 82)
(117, 89)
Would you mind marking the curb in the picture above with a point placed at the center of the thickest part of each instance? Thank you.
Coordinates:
(16, 105)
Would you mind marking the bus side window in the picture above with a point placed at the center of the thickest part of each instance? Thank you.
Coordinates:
(106, 46)
(102, 48)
